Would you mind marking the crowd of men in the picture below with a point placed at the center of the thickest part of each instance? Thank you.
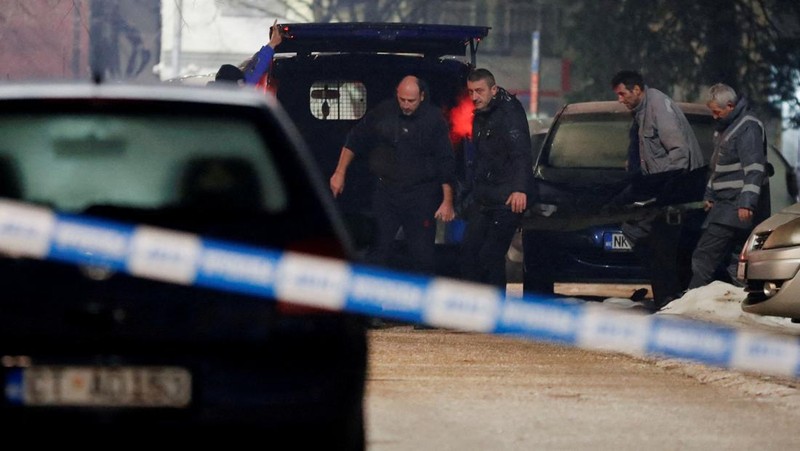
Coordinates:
(406, 141)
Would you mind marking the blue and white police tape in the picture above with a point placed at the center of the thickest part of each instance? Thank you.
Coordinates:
(183, 258)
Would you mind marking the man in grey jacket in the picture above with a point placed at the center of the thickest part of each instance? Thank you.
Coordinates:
(667, 151)
(737, 195)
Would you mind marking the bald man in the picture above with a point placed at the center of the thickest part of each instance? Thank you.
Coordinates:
(407, 144)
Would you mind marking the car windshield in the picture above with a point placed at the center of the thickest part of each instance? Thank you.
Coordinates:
(604, 137)
(72, 161)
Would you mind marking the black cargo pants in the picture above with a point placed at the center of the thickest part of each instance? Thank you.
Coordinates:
(412, 209)
(485, 244)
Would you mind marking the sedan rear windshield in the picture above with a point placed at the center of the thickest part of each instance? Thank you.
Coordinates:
(601, 140)
(73, 161)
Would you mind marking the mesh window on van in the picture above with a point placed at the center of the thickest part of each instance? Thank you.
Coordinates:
(338, 100)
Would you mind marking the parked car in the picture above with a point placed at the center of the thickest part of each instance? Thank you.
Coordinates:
(569, 233)
(578, 166)
(769, 265)
(75, 339)
(327, 75)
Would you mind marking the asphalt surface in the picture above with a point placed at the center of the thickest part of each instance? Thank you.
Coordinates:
(437, 389)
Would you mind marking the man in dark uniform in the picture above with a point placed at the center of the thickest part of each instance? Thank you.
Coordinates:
(502, 166)
(737, 195)
(408, 145)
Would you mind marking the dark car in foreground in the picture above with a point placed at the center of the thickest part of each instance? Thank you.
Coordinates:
(95, 352)
(569, 233)
(769, 266)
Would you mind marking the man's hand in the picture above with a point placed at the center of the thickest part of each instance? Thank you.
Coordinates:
(745, 214)
(518, 201)
(708, 205)
(337, 183)
(275, 37)
(445, 212)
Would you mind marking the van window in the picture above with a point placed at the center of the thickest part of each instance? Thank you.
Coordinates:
(338, 100)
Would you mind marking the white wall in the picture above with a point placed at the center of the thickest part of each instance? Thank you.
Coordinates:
(209, 37)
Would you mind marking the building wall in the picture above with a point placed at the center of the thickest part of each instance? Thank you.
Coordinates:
(43, 40)
(51, 39)
(209, 35)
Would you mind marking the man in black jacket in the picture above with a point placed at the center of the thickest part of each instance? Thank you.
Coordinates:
(408, 145)
(502, 166)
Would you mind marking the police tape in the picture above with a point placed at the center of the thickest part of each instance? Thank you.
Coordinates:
(188, 259)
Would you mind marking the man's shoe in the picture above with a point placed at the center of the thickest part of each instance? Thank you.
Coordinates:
(639, 295)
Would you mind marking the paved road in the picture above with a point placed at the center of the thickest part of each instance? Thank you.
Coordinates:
(444, 390)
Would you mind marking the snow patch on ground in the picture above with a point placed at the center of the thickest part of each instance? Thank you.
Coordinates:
(721, 303)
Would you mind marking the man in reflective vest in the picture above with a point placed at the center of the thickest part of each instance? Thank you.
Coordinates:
(737, 195)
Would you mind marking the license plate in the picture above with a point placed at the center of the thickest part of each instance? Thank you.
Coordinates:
(616, 241)
(100, 386)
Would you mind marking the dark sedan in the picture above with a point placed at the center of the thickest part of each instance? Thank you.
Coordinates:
(89, 351)
(579, 167)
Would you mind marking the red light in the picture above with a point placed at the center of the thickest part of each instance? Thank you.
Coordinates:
(262, 86)
(461, 119)
(294, 309)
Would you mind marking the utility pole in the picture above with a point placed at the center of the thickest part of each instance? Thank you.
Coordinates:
(176, 38)
(533, 108)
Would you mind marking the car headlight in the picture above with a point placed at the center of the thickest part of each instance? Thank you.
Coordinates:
(748, 246)
(754, 242)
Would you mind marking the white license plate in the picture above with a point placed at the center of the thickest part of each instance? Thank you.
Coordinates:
(615, 241)
(100, 386)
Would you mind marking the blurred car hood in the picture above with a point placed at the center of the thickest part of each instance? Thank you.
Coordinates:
(782, 217)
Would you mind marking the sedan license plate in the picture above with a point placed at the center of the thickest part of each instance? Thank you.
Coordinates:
(616, 241)
(100, 386)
